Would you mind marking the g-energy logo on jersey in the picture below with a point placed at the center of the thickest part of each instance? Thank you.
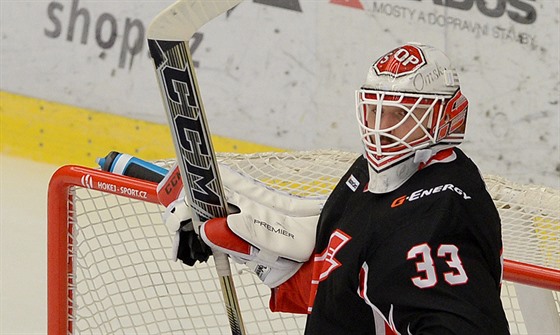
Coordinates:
(421, 193)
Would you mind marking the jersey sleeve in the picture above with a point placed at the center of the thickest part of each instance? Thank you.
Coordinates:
(293, 295)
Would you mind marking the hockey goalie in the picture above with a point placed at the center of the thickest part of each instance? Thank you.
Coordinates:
(408, 242)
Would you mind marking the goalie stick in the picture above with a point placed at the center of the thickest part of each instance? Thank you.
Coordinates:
(168, 36)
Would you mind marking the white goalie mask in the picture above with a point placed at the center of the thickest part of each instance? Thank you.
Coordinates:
(409, 108)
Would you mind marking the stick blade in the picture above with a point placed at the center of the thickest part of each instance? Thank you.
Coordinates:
(182, 19)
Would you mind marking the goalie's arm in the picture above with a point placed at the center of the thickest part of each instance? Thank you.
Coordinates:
(289, 280)
(270, 231)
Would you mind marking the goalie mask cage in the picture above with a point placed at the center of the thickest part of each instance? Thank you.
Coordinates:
(109, 267)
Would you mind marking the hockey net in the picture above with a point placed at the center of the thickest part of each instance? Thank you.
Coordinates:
(109, 252)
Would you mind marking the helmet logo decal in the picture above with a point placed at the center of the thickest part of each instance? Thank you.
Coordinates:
(401, 61)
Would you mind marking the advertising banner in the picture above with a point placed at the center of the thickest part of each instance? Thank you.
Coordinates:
(283, 72)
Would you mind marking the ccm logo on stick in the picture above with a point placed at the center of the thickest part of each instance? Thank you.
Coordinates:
(188, 125)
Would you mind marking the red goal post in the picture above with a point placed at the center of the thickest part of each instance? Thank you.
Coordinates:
(61, 229)
(109, 270)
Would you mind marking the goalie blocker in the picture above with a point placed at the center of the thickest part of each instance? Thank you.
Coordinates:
(271, 232)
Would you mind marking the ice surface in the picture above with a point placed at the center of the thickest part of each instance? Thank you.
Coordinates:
(23, 243)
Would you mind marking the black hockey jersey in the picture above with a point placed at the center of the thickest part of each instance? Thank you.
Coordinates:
(423, 259)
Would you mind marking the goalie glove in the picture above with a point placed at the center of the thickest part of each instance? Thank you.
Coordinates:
(271, 269)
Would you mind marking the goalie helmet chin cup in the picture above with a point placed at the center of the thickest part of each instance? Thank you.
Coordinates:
(392, 178)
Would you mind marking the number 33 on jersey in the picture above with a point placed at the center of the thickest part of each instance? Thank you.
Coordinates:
(325, 263)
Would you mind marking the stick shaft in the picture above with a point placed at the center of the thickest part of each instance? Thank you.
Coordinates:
(195, 153)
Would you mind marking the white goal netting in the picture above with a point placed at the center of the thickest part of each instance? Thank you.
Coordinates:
(116, 275)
